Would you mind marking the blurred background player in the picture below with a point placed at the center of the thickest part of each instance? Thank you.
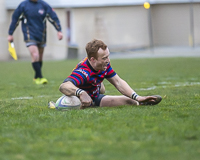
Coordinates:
(33, 14)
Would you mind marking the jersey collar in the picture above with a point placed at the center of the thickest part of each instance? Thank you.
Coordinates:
(89, 65)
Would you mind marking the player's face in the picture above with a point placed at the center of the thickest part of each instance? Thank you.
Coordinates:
(103, 59)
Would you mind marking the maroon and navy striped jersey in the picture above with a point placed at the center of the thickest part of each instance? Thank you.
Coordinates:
(85, 77)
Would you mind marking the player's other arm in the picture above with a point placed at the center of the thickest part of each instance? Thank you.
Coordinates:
(16, 17)
(69, 89)
(54, 20)
(102, 89)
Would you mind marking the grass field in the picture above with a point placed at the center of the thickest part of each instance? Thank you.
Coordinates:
(168, 131)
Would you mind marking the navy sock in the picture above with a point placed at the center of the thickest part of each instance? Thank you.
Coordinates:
(40, 64)
(37, 69)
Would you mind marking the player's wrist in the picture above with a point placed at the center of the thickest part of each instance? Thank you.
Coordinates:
(135, 96)
(79, 92)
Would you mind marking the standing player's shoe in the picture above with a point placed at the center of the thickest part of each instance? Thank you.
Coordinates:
(158, 100)
(43, 81)
(51, 105)
(37, 81)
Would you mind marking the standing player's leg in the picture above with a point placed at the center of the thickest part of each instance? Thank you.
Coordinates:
(41, 51)
(33, 49)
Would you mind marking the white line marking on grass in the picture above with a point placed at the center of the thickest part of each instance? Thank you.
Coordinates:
(22, 98)
(146, 89)
(195, 83)
(179, 84)
(164, 83)
(40, 96)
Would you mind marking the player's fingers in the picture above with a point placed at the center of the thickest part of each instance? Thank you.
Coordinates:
(152, 98)
(87, 104)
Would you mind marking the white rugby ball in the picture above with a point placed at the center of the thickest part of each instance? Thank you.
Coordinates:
(68, 102)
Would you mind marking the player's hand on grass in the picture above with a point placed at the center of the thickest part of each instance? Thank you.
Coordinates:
(146, 99)
(149, 100)
(85, 100)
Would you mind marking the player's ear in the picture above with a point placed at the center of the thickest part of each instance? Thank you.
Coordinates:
(92, 59)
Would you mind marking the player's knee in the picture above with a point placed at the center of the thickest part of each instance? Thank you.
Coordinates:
(35, 56)
(102, 90)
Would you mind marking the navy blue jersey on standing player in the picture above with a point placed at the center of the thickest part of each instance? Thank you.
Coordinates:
(33, 16)
(86, 78)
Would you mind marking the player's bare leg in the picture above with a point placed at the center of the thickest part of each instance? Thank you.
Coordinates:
(112, 101)
(34, 53)
(41, 51)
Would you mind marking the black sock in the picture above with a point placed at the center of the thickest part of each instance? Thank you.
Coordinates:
(37, 69)
(40, 64)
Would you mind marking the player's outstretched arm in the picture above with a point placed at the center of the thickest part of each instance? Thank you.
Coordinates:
(123, 87)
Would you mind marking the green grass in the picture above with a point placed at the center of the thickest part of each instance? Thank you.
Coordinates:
(168, 131)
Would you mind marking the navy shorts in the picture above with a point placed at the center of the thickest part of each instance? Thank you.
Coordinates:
(97, 100)
(32, 43)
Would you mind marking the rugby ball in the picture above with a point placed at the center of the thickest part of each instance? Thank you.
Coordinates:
(68, 102)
